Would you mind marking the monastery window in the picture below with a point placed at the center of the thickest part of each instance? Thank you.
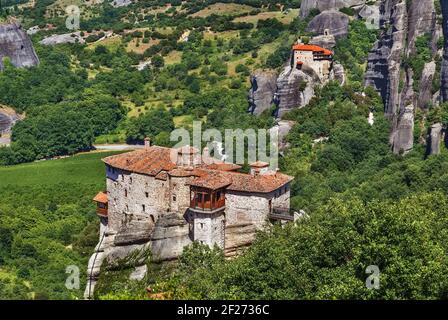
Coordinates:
(127, 208)
(130, 180)
(174, 198)
(126, 193)
(147, 194)
(144, 208)
(122, 177)
(202, 225)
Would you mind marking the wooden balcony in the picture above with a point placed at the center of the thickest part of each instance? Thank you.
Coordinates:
(101, 211)
(205, 200)
(101, 200)
(282, 214)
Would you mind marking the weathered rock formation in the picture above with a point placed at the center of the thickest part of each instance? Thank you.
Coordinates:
(402, 138)
(55, 39)
(425, 95)
(338, 73)
(8, 117)
(435, 137)
(16, 45)
(332, 22)
(261, 94)
(295, 88)
(131, 245)
(383, 70)
(444, 88)
(324, 41)
(402, 22)
(308, 5)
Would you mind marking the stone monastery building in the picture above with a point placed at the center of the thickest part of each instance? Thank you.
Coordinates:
(320, 60)
(215, 203)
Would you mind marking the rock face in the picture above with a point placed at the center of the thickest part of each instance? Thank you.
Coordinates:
(295, 88)
(402, 22)
(8, 117)
(165, 240)
(16, 45)
(403, 136)
(339, 73)
(308, 5)
(331, 21)
(383, 70)
(444, 88)
(263, 87)
(425, 92)
(55, 39)
(435, 137)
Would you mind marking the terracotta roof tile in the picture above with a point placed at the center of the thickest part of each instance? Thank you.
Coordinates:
(156, 162)
(312, 47)
(101, 197)
(148, 161)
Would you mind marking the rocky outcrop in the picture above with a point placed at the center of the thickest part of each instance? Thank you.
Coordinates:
(383, 69)
(402, 22)
(131, 245)
(263, 87)
(435, 137)
(8, 117)
(425, 93)
(17, 46)
(444, 88)
(402, 138)
(324, 41)
(332, 22)
(421, 20)
(295, 88)
(170, 236)
(307, 5)
(338, 73)
(55, 39)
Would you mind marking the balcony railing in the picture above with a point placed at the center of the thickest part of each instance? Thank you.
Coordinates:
(284, 214)
(101, 211)
(207, 205)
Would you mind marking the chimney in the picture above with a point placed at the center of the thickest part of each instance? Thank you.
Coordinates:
(259, 168)
(147, 143)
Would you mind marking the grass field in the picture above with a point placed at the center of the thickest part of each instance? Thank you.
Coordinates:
(281, 16)
(85, 168)
(223, 9)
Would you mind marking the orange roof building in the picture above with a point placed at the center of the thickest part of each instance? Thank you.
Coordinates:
(314, 58)
(212, 197)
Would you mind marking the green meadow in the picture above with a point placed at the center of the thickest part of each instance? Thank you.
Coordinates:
(47, 223)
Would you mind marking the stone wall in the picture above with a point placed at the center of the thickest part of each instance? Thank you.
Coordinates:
(209, 228)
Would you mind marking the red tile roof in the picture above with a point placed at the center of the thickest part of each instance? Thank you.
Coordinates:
(156, 162)
(148, 161)
(312, 47)
(101, 197)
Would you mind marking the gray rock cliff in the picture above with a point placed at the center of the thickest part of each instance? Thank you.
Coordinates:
(435, 137)
(307, 5)
(402, 138)
(444, 88)
(261, 93)
(295, 88)
(16, 45)
(335, 22)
